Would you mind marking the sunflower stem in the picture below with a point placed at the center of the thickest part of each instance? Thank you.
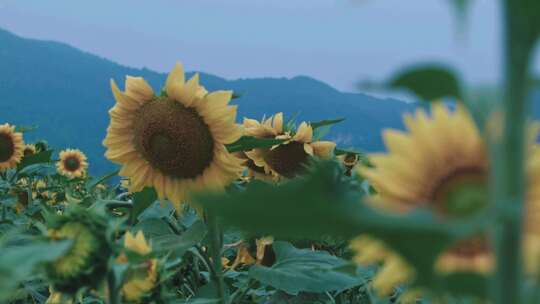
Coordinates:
(508, 157)
(216, 239)
(114, 295)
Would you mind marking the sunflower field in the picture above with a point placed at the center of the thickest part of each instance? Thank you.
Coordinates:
(206, 208)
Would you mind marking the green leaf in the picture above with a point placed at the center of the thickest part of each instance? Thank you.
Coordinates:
(323, 127)
(33, 169)
(38, 158)
(466, 284)
(91, 184)
(142, 200)
(19, 262)
(326, 122)
(429, 82)
(299, 270)
(246, 143)
(179, 244)
(153, 228)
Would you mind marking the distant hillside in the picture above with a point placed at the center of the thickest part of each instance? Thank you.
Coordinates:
(66, 93)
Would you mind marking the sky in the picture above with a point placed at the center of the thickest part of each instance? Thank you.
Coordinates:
(341, 42)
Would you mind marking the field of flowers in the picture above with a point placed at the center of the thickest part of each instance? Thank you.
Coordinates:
(206, 209)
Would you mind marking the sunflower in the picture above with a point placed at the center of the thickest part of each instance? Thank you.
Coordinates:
(174, 142)
(253, 171)
(56, 297)
(142, 278)
(288, 159)
(11, 147)
(442, 164)
(264, 254)
(29, 150)
(137, 244)
(85, 262)
(73, 163)
(349, 161)
(41, 191)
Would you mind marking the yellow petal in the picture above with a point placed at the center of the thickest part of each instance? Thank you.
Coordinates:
(138, 89)
(187, 94)
(175, 80)
(277, 123)
(304, 133)
(323, 149)
(122, 100)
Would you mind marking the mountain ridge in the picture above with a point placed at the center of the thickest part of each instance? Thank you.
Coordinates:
(65, 91)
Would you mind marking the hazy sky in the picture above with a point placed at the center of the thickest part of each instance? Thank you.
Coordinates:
(337, 41)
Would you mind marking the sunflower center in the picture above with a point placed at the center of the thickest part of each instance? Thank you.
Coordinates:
(72, 163)
(288, 160)
(173, 138)
(7, 147)
(462, 193)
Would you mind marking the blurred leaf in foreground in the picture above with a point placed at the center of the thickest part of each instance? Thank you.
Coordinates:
(323, 203)
(18, 262)
(429, 82)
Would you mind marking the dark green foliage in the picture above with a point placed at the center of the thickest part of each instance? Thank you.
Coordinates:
(297, 270)
(142, 200)
(26, 260)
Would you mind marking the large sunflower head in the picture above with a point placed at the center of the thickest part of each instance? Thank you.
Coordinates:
(73, 163)
(85, 262)
(441, 163)
(11, 147)
(174, 142)
(290, 158)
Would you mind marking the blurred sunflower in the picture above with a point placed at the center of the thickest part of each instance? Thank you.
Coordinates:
(73, 163)
(29, 150)
(174, 142)
(289, 158)
(85, 262)
(142, 278)
(441, 164)
(56, 297)
(11, 147)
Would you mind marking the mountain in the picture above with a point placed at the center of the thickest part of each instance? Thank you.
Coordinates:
(66, 93)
